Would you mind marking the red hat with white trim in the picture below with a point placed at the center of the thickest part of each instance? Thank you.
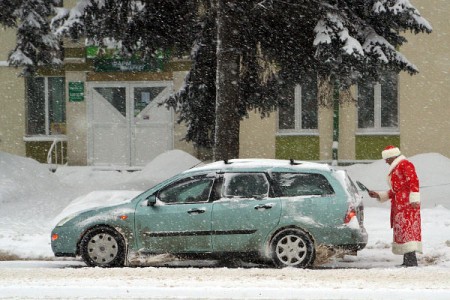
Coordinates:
(390, 151)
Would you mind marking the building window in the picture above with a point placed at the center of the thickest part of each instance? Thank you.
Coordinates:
(46, 107)
(378, 105)
(299, 114)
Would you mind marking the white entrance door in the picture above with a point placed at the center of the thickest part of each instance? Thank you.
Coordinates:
(126, 124)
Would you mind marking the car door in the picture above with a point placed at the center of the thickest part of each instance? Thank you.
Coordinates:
(180, 220)
(245, 214)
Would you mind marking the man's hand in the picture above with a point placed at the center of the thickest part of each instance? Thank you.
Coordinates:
(374, 194)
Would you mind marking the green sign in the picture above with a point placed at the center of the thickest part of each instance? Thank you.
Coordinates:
(125, 65)
(110, 60)
(76, 91)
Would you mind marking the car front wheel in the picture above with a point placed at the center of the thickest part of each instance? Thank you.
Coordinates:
(292, 248)
(103, 247)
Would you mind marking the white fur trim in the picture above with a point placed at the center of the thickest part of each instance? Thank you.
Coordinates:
(414, 197)
(394, 164)
(390, 153)
(384, 196)
(407, 247)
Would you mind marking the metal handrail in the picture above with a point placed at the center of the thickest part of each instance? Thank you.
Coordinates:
(54, 150)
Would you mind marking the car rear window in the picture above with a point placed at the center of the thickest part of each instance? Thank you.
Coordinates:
(302, 184)
(245, 185)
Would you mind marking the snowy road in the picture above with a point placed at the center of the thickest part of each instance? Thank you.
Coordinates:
(71, 280)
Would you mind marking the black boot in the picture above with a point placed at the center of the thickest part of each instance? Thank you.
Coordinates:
(410, 259)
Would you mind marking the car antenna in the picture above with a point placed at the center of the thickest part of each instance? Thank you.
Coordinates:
(226, 162)
(292, 162)
(196, 165)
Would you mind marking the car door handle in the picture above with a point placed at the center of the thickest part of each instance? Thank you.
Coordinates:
(263, 206)
(196, 211)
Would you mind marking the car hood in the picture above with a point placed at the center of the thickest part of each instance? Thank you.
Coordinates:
(95, 200)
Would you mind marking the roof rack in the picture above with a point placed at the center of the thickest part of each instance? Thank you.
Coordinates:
(292, 162)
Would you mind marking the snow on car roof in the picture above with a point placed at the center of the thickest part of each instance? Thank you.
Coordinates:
(263, 164)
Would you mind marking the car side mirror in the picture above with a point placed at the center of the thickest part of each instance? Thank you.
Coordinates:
(151, 200)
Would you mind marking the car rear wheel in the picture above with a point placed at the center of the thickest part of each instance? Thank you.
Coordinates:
(292, 248)
(103, 247)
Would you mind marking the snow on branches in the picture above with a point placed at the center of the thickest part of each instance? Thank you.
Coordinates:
(359, 37)
(332, 28)
(380, 49)
(403, 10)
(36, 44)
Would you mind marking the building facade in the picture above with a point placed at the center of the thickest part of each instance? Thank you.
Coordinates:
(103, 111)
(408, 111)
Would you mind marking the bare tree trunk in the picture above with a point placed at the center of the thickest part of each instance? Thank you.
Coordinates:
(227, 83)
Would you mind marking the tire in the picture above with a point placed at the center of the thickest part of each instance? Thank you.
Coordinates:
(292, 248)
(103, 247)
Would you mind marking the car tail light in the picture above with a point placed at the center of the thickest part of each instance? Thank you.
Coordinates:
(55, 236)
(350, 214)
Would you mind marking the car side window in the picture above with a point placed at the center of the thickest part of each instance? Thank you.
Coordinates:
(189, 190)
(245, 185)
(302, 184)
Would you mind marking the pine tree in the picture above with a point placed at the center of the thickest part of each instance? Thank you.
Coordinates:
(196, 101)
(36, 44)
(7, 17)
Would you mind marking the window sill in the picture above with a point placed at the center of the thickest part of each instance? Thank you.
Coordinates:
(45, 138)
(379, 132)
(298, 133)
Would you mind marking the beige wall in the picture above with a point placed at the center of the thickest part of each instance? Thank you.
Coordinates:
(12, 95)
(8, 40)
(257, 136)
(325, 132)
(425, 97)
(76, 123)
(12, 111)
(70, 3)
(347, 129)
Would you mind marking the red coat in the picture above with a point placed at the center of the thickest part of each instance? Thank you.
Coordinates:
(405, 219)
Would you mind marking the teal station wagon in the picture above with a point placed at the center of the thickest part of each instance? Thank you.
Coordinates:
(273, 211)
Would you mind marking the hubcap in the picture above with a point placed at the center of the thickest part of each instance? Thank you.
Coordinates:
(291, 250)
(102, 248)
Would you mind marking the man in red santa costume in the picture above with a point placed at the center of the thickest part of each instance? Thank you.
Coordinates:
(405, 205)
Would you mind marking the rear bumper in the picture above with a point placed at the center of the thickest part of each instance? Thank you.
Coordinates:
(360, 238)
(352, 247)
(352, 240)
(343, 237)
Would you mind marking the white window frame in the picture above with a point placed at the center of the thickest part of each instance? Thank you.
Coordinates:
(297, 130)
(377, 129)
(47, 113)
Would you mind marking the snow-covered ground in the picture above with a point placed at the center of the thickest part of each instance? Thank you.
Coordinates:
(32, 199)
